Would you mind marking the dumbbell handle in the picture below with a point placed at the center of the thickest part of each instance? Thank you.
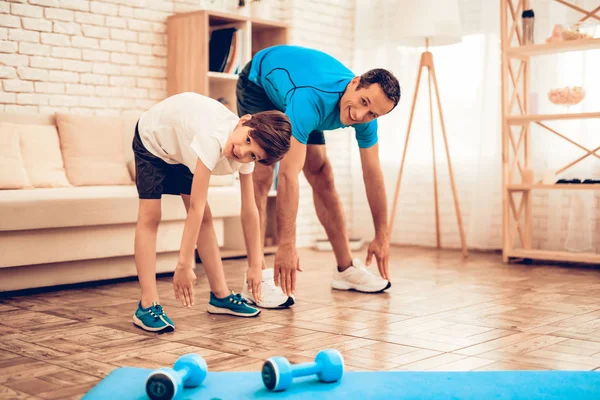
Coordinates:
(305, 369)
(181, 373)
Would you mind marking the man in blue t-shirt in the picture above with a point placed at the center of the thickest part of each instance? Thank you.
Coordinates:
(318, 93)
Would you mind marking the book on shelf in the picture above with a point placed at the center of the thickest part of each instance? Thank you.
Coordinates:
(225, 50)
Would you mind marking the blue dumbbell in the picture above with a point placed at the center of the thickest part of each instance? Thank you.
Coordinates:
(278, 373)
(166, 383)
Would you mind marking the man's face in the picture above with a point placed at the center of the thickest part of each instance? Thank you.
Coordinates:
(363, 105)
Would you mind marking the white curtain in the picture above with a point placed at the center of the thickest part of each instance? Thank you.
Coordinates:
(468, 76)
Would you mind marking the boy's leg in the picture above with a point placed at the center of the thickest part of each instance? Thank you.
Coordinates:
(149, 314)
(221, 299)
(208, 249)
(149, 215)
(150, 174)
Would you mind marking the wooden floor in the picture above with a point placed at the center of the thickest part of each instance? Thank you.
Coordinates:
(441, 313)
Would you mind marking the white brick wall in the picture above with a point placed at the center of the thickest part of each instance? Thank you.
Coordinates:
(109, 57)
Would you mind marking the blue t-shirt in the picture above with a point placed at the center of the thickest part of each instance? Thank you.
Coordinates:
(307, 85)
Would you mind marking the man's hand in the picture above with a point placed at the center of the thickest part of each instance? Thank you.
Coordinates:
(286, 263)
(183, 284)
(380, 247)
(254, 280)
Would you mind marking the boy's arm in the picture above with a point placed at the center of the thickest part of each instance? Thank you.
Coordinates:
(184, 278)
(251, 228)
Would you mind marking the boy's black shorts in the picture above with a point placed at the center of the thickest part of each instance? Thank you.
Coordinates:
(154, 177)
(251, 99)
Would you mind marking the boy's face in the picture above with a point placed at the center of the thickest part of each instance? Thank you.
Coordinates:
(241, 147)
(363, 105)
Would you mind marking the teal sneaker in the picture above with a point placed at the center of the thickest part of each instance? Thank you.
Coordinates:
(152, 319)
(234, 304)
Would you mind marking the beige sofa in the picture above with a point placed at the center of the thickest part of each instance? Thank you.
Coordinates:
(68, 202)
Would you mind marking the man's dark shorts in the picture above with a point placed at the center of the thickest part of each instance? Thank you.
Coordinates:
(251, 99)
(154, 177)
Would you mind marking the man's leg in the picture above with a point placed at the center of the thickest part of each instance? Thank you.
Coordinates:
(251, 99)
(262, 178)
(319, 173)
(272, 296)
(350, 274)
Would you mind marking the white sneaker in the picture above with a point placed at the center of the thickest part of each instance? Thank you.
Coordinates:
(271, 296)
(359, 278)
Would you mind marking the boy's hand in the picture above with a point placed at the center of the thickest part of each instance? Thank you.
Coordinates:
(254, 280)
(183, 284)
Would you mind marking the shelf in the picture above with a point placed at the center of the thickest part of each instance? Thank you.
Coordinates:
(516, 80)
(220, 76)
(549, 255)
(523, 119)
(259, 24)
(554, 48)
(560, 186)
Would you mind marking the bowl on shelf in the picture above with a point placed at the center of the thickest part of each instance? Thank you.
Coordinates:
(579, 31)
(567, 96)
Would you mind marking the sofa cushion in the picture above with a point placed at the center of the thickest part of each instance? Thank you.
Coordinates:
(41, 153)
(96, 205)
(92, 149)
(12, 167)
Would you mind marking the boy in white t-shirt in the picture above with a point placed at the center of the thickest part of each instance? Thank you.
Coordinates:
(178, 144)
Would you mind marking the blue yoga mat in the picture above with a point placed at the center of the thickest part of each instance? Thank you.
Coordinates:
(128, 383)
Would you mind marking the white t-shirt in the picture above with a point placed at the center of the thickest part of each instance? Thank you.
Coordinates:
(188, 126)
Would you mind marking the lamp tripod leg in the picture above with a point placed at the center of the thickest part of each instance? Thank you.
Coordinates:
(435, 185)
(454, 194)
(410, 120)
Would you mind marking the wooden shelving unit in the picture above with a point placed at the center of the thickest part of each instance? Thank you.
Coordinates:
(188, 70)
(516, 149)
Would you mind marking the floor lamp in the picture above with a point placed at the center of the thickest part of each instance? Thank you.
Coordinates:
(429, 23)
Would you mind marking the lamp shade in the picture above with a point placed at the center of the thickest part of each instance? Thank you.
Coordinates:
(438, 20)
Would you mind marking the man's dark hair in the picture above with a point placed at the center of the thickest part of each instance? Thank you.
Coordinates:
(388, 82)
(272, 131)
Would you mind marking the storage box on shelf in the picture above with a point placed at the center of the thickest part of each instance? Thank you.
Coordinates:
(516, 154)
(194, 65)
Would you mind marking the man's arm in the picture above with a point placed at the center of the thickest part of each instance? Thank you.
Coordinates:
(286, 259)
(184, 277)
(376, 195)
(251, 228)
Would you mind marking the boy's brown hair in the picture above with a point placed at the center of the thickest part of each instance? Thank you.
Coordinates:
(272, 131)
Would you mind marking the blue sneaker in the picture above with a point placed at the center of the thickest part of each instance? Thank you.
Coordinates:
(234, 304)
(152, 319)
